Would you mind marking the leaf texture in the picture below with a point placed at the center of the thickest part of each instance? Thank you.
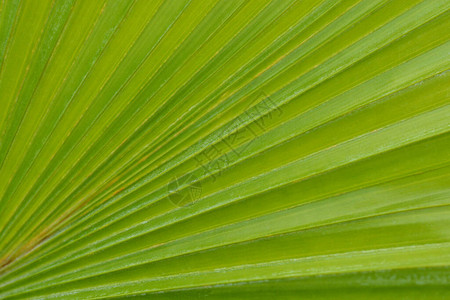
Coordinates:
(229, 149)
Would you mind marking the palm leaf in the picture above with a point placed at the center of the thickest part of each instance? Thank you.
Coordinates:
(224, 149)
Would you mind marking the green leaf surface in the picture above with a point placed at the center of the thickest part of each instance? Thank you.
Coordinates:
(225, 149)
